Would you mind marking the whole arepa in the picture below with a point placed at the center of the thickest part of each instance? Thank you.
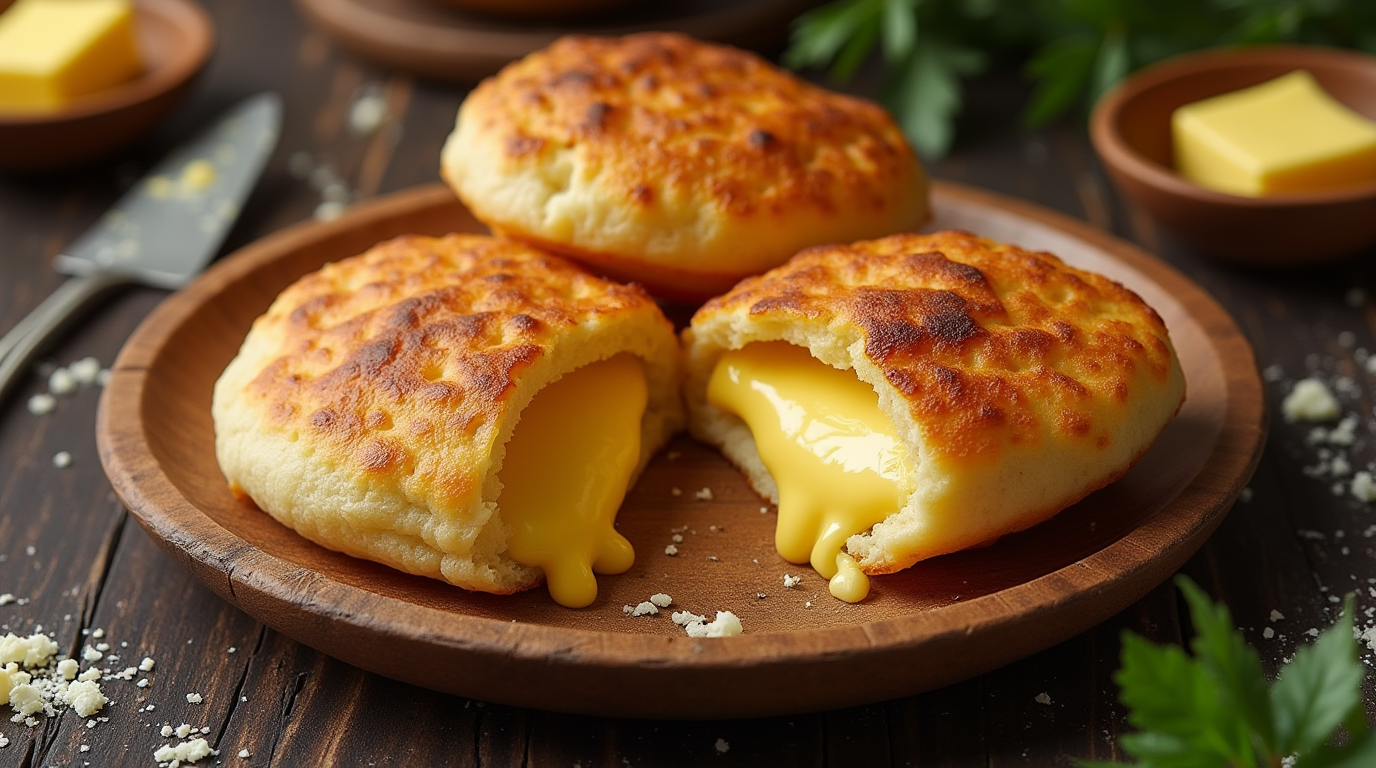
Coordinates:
(465, 408)
(915, 395)
(677, 164)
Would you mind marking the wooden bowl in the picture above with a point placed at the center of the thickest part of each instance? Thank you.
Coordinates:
(1131, 131)
(940, 621)
(535, 9)
(446, 43)
(175, 37)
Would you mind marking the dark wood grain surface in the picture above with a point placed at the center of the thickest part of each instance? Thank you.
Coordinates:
(79, 562)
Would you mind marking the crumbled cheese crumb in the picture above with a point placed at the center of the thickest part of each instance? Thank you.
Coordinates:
(8, 598)
(1363, 487)
(61, 382)
(85, 697)
(244, 753)
(186, 752)
(85, 370)
(684, 618)
(193, 698)
(1345, 433)
(42, 404)
(91, 654)
(722, 746)
(1043, 698)
(91, 674)
(31, 651)
(792, 581)
(166, 731)
(1268, 633)
(646, 608)
(367, 113)
(68, 668)
(146, 665)
(704, 494)
(725, 625)
(671, 550)
(1309, 400)
(662, 600)
(1277, 615)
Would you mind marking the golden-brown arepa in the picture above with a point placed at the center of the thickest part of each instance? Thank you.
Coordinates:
(677, 164)
(1016, 384)
(370, 408)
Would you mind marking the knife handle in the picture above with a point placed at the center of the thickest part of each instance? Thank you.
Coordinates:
(55, 314)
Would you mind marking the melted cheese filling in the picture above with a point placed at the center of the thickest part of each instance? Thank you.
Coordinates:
(566, 472)
(836, 458)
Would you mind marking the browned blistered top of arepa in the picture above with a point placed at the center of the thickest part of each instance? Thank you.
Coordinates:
(419, 339)
(679, 156)
(988, 344)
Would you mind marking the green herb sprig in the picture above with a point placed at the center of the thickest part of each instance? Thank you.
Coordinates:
(1073, 50)
(1215, 709)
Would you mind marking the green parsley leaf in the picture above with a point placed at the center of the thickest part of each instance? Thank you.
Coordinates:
(1062, 70)
(1317, 691)
(926, 93)
(821, 33)
(1214, 709)
(1358, 752)
(1232, 664)
(900, 29)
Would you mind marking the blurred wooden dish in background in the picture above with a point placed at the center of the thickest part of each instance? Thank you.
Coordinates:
(535, 9)
(1131, 131)
(437, 39)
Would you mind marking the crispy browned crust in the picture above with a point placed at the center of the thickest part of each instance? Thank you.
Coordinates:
(664, 106)
(982, 339)
(667, 123)
(388, 358)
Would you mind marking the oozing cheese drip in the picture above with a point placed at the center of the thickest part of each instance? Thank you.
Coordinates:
(566, 471)
(838, 463)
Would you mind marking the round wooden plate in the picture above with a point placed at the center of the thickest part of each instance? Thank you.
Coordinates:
(444, 42)
(940, 621)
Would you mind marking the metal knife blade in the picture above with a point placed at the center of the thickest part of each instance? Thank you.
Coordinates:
(162, 232)
(168, 226)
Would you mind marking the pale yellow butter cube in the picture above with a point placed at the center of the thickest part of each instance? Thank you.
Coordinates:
(1285, 135)
(52, 51)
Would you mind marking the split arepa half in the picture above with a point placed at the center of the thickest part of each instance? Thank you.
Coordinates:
(372, 408)
(1012, 384)
(677, 164)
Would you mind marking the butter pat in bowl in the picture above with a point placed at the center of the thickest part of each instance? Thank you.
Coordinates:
(54, 51)
(71, 89)
(1253, 155)
(1285, 135)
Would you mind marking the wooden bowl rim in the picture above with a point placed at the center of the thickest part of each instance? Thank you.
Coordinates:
(194, 25)
(1122, 156)
(1095, 585)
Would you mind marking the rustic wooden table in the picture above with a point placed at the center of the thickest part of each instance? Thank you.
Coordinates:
(70, 553)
